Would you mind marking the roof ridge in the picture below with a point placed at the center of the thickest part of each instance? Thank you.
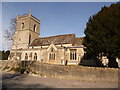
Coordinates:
(58, 39)
(79, 37)
(57, 36)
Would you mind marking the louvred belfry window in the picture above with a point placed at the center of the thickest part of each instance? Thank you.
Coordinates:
(34, 28)
(22, 25)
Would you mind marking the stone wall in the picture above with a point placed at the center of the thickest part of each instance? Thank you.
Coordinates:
(73, 72)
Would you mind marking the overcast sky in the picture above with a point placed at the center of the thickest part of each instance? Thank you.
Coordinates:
(56, 18)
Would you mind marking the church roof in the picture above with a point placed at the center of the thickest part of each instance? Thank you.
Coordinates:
(58, 39)
(79, 41)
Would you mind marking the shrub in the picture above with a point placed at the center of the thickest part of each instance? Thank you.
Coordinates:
(20, 70)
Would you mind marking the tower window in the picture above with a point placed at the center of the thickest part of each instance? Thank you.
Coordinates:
(34, 28)
(29, 38)
(22, 25)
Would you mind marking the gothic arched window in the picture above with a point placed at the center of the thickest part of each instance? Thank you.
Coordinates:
(26, 56)
(35, 56)
(52, 54)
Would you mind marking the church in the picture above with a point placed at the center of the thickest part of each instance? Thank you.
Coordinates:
(66, 49)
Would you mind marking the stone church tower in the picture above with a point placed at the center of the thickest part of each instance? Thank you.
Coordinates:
(27, 29)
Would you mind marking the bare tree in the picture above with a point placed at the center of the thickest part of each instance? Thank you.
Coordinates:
(9, 33)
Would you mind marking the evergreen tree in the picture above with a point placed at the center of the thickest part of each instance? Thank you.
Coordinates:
(7, 54)
(4, 55)
(103, 34)
(0, 55)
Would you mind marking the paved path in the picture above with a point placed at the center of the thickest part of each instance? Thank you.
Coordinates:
(11, 80)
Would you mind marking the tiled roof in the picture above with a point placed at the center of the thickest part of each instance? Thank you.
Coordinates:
(58, 39)
(79, 41)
